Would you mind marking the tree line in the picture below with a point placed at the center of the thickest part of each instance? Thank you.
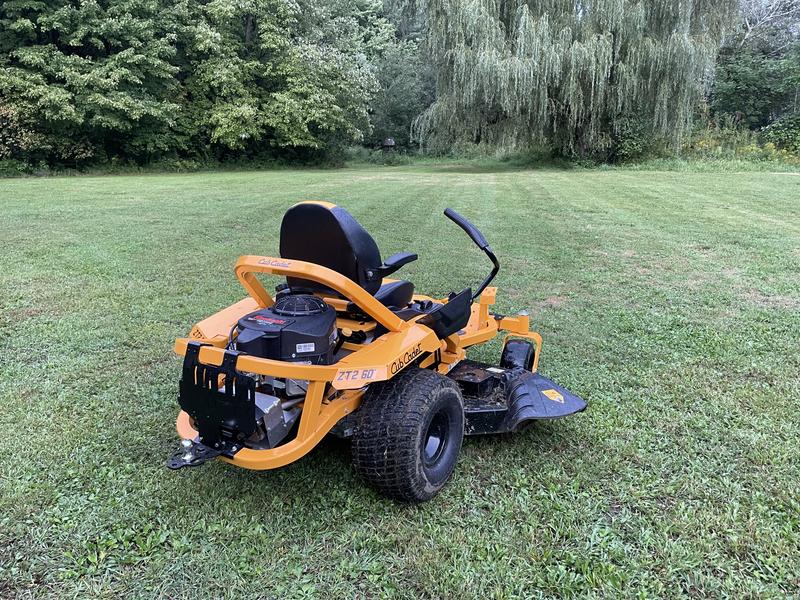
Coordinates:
(136, 81)
(757, 83)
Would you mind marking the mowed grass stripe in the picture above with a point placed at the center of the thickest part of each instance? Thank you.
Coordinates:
(670, 300)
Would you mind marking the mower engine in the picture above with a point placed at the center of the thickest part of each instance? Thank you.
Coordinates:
(253, 410)
(297, 328)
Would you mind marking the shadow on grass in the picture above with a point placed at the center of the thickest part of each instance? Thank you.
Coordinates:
(325, 476)
(537, 432)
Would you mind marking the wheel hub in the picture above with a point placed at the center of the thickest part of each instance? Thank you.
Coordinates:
(436, 438)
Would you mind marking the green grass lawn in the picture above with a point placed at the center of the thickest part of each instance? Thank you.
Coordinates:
(670, 301)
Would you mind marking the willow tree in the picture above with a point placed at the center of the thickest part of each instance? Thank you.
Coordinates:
(513, 73)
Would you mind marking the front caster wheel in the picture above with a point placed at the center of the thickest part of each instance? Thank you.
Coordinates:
(409, 434)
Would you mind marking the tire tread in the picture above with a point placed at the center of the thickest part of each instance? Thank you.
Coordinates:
(385, 440)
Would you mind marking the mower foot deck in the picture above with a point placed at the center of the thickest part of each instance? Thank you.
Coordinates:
(505, 400)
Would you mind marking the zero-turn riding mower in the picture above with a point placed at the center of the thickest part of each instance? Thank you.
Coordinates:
(343, 349)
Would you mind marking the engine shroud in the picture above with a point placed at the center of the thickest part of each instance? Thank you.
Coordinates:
(297, 328)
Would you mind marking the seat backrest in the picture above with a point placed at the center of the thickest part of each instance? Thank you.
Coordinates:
(325, 234)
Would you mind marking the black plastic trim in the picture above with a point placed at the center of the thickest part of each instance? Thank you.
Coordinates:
(224, 416)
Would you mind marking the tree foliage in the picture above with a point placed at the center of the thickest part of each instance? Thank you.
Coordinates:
(143, 79)
(518, 72)
(770, 25)
(406, 89)
(758, 75)
(757, 89)
(97, 80)
(86, 76)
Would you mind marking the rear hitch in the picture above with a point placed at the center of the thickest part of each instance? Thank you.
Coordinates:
(192, 454)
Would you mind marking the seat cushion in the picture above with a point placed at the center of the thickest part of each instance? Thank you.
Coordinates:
(395, 294)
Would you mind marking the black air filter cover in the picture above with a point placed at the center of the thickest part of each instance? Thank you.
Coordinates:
(296, 328)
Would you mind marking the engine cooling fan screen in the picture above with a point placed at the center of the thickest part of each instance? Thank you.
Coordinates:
(299, 305)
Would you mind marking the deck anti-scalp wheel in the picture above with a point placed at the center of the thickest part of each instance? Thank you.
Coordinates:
(409, 434)
(517, 353)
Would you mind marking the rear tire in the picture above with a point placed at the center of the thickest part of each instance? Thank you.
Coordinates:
(409, 433)
(517, 353)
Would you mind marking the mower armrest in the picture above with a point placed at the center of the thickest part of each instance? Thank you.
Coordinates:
(395, 261)
(391, 264)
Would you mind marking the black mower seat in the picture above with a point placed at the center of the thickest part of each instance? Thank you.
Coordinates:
(394, 294)
(325, 234)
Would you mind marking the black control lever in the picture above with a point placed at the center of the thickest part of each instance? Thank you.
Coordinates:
(472, 231)
(480, 240)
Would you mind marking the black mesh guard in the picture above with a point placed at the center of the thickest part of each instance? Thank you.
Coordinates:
(298, 305)
(224, 416)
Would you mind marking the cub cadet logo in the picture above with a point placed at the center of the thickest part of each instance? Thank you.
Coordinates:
(401, 362)
(275, 262)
